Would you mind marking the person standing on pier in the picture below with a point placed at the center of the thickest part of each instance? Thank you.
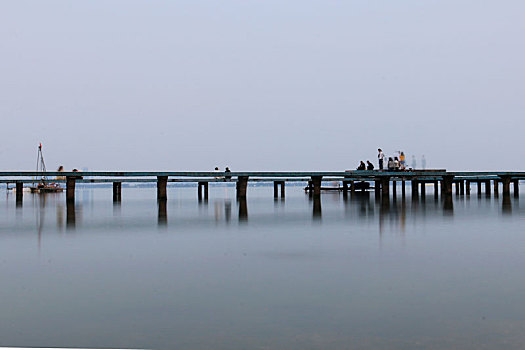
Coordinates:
(402, 160)
(380, 157)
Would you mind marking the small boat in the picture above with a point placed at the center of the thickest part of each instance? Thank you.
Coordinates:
(44, 185)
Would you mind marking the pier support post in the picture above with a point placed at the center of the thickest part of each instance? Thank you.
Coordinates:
(457, 187)
(479, 188)
(505, 180)
(162, 184)
(385, 186)
(516, 187)
(202, 186)
(436, 189)
(276, 185)
(467, 184)
(117, 191)
(496, 187)
(423, 190)
(447, 184)
(487, 187)
(377, 186)
(19, 193)
(415, 189)
(316, 183)
(462, 187)
(70, 188)
(345, 188)
(242, 185)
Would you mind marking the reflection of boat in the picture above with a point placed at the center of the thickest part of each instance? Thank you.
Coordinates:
(358, 185)
(44, 185)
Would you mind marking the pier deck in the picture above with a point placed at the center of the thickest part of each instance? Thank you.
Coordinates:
(382, 180)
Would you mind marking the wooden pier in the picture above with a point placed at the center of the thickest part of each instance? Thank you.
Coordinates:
(384, 183)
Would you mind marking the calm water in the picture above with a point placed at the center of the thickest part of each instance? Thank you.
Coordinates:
(342, 274)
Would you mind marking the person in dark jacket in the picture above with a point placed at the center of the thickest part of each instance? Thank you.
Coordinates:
(369, 166)
(361, 166)
(227, 170)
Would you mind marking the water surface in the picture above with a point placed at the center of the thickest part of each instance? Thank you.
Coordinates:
(348, 273)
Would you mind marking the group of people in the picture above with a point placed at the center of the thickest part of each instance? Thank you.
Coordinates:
(226, 170)
(393, 163)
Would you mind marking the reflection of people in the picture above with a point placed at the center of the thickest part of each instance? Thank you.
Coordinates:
(369, 166)
(380, 157)
(227, 170)
(361, 166)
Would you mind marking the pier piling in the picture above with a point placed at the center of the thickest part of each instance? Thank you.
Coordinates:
(276, 185)
(70, 188)
(202, 187)
(415, 189)
(162, 183)
(447, 184)
(516, 187)
(242, 185)
(19, 193)
(117, 191)
(385, 186)
(316, 183)
(505, 180)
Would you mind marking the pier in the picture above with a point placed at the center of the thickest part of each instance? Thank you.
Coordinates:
(384, 183)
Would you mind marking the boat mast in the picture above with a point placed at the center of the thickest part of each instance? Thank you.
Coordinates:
(40, 164)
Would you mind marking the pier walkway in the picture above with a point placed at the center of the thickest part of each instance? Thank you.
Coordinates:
(384, 182)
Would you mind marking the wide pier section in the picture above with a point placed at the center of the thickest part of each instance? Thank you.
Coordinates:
(383, 183)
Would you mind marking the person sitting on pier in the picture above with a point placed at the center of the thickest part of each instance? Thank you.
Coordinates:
(227, 170)
(61, 169)
(396, 164)
(218, 171)
(390, 164)
(361, 166)
(369, 166)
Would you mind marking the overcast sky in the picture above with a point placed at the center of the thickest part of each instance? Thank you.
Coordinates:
(261, 85)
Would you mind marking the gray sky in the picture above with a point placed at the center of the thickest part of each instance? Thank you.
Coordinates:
(261, 85)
